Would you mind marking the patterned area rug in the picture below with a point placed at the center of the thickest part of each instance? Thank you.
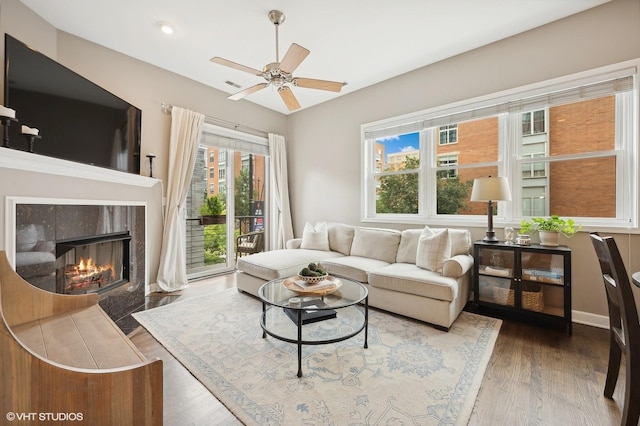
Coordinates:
(411, 374)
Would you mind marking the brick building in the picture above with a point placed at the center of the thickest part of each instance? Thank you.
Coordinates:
(579, 127)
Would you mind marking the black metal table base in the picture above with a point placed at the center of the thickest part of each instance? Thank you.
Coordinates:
(299, 342)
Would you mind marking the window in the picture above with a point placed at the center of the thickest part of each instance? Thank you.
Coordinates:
(448, 134)
(444, 164)
(533, 122)
(580, 147)
(237, 199)
(397, 175)
(548, 141)
(533, 170)
(212, 157)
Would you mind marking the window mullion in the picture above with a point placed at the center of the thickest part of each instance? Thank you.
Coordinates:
(429, 138)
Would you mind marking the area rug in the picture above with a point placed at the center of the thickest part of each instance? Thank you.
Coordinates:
(411, 373)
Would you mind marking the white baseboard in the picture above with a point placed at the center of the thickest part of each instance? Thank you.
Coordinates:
(586, 318)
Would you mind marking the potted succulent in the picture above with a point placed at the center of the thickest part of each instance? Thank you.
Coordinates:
(550, 228)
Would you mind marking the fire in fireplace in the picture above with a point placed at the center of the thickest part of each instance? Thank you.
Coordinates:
(93, 264)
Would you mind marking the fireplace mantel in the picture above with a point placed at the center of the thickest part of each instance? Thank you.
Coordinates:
(32, 162)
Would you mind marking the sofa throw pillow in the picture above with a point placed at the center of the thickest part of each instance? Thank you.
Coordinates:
(315, 237)
(408, 246)
(433, 249)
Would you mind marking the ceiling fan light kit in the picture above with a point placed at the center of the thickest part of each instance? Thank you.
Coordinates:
(279, 74)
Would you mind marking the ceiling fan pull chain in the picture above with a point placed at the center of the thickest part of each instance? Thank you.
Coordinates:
(277, 45)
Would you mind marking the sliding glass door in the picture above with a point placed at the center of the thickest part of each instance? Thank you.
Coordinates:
(226, 202)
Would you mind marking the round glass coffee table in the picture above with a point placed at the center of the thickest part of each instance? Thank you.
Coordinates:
(314, 318)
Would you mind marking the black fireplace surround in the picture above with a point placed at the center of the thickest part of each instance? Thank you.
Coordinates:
(75, 249)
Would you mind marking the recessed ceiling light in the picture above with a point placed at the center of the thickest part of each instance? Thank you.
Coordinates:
(165, 27)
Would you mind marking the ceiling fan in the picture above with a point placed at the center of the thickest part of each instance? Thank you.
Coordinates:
(278, 74)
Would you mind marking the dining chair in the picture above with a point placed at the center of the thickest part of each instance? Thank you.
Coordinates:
(624, 327)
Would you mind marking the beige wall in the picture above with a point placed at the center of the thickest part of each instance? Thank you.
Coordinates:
(325, 160)
(139, 83)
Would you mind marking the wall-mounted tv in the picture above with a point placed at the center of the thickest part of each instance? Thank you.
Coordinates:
(77, 119)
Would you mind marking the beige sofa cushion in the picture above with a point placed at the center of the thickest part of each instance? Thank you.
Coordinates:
(433, 249)
(409, 278)
(315, 237)
(408, 246)
(460, 240)
(380, 244)
(340, 237)
(270, 265)
(352, 267)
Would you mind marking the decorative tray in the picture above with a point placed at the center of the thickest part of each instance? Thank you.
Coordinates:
(299, 286)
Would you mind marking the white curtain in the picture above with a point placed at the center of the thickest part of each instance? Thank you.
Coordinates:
(186, 131)
(281, 228)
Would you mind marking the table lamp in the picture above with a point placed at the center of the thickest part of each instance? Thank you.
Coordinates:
(488, 190)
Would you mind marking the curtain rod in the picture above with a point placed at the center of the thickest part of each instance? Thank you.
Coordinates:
(166, 108)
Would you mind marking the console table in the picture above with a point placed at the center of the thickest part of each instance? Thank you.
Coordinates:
(527, 282)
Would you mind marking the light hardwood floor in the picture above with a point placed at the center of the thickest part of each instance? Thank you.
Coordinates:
(536, 376)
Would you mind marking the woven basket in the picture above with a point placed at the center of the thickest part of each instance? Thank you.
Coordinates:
(531, 300)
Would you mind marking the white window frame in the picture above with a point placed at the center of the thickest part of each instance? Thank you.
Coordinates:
(447, 129)
(509, 161)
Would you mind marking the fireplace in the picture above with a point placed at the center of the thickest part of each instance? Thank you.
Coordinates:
(93, 264)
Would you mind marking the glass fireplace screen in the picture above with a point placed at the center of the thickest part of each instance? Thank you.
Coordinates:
(92, 264)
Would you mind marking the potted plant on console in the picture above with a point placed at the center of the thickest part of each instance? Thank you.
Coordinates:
(550, 228)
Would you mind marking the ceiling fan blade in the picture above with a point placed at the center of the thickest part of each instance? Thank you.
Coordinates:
(312, 83)
(289, 99)
(227, 63)
(294, 56)
(247, 91)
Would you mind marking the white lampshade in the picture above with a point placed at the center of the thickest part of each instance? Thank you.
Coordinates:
(491, 189)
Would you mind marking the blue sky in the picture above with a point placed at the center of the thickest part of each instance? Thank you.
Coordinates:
(400, 143)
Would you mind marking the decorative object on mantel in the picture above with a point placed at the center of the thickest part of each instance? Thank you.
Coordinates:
(490, 189)
(151, 157)
(550, 228)
(7, 115)
(31, 134)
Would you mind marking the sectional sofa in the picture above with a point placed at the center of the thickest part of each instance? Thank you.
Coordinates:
(419, 273)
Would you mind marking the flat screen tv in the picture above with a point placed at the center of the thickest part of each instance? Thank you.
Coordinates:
(78, 120)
